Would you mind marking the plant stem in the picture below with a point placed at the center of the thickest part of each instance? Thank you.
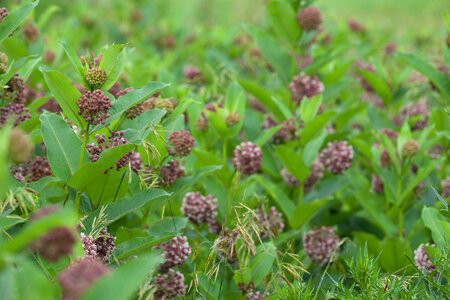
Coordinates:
(300, 192)
(400, 222)
(80, 164)
(224, 151)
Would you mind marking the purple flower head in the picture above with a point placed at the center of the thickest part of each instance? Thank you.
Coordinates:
(271, 223)
(417, 111)
(256, 295)
(200, 209)
(256, 104)
(169, 285)
(31, 33)
(17, 111)
(32, 169)
(94, 107)
(14, 90)
(3, 14)
(392, 135)
(309, 18)
(56, 243)
(176, 252)
(114, 140)
(365, 67)
(303, 85)
(89, 246)
(191, 72)
(377, 185)
(355, 26)
(80, 275)
(136, 162)
(390, 48)
(96, 77)
(315, 174)
(225, 245)
(182, 142)
(105, 245)
(337, 157)
(423, 262)
(321, 245)
(247, 158)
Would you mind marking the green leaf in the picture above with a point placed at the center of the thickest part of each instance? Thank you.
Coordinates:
(278, 58)
(431, 219)
(73, 57)
(63, 146)
(124, 281)
(186, 182)
(4, 155)
(35, 229)
(393, 255)
(112, 63)
(309, 108)
(140, 244)
(65, 94)
(8, 221)
(373, 243)
(129, 100)
(421, 175)
(263, 262)
(438, 78)
(267, 135)
(264, 97)
(305, 211)
(15, 18)
(439, 197)
(293, 162)
(378, 84)
(278, 195)
(283, 20)
(312, 148)
(173, 225)
(178, 111)
(312, 129)
(82, 178)
(117, 210)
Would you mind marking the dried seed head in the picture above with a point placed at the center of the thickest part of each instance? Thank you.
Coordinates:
(176, 252)
(166, 104)
(94, 107)
(309, 18)
(20, 146)
(410, 148)
(303, 85)
(233, 119)
(80, 275)
(321, 245)
(247, 158)
(169, 285)
(182, 142)
(337, 157)
(96, 77)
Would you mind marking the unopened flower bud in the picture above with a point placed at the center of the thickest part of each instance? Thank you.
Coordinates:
(309, 18)
(31, 33)
(20, 146)
(96, 77)
(410, 148)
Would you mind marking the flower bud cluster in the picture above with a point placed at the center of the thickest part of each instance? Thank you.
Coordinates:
(182, 142)
(337, 157)
(303, 85)
(321, 245)
(94, 107)
(247, 158)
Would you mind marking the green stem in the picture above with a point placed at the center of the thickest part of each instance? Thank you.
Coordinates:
(80, 164)
(301, 189)
(224, 151)
(400, 222)
(144, 218)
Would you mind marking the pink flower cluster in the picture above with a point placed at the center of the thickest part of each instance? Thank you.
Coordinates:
(200, 209)
(337, 157)
(182, 142)
(271, 223)
(94, 107)
(321, 245)
(247, 158)
(303, 85)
